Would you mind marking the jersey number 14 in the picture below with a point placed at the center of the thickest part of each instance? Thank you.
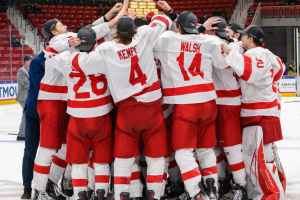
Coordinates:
(194, 68)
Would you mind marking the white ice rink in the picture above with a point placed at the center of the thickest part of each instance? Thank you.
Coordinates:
(11, 151)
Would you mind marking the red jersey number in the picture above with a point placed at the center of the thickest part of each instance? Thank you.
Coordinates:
(194, 68)
(136, 70)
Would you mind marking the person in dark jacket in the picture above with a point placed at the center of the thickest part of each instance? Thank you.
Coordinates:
(32, 125)
(37, 9)
(28, 9)
(106, 10)
(216, 13)
(203, 19)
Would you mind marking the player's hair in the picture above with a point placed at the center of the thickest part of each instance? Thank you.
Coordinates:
(126, 38)
(240, 37)
(54, 29)
(181, 28)
(257, 42)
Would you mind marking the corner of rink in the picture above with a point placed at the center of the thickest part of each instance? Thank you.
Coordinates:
(11, 151)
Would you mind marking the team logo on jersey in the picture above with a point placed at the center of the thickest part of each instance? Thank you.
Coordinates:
(193, 23)
(83, 39)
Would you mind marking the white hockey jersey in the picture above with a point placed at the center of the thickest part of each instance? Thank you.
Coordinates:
(187, 62)
(226, 83)
(279, 68)
(88, 94)
(53, 85)
(130, 69)
(167, 108)
(256, 79)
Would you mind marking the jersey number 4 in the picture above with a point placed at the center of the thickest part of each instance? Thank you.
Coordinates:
(194, 68)
(94, 81)
(136, 70)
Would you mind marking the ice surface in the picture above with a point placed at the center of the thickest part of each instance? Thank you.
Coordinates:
(11, 151)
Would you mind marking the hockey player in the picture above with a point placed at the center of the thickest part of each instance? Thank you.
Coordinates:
(132, 79)
(89, 103)
(187, 59)
(229, 135)
(261, 126)
(52, 105)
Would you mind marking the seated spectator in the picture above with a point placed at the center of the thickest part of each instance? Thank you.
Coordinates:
(250, 12)
(292, 69)
(28, 9)
(225, 14)
(92, 21)
(37, 9)
(285, 3)
(81, 26)
(101, 10)
(216, 13)
(15, 42)
(106, 9)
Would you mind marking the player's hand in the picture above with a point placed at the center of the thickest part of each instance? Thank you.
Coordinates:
(74, 41)
(163, 5)
(226, 48)
(132, 14)
(144, 17)
(117, 7)
(211, 21)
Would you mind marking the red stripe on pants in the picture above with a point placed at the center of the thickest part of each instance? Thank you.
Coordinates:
(190, 174)
(165, 176)
(135, 176)
(209, 171)
(102, 178)
(237, 167)
(172, 164)
(59, 162)
(79, 182)
(41, 169)
(121, 180)
(220, 158)
(155, 178)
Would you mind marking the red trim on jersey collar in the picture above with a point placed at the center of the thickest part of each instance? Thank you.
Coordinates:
(205, 87)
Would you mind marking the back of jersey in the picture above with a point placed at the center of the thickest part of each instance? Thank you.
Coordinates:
(187, 62)
(130, 69)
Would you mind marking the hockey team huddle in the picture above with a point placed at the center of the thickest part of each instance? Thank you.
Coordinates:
(172, 109)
